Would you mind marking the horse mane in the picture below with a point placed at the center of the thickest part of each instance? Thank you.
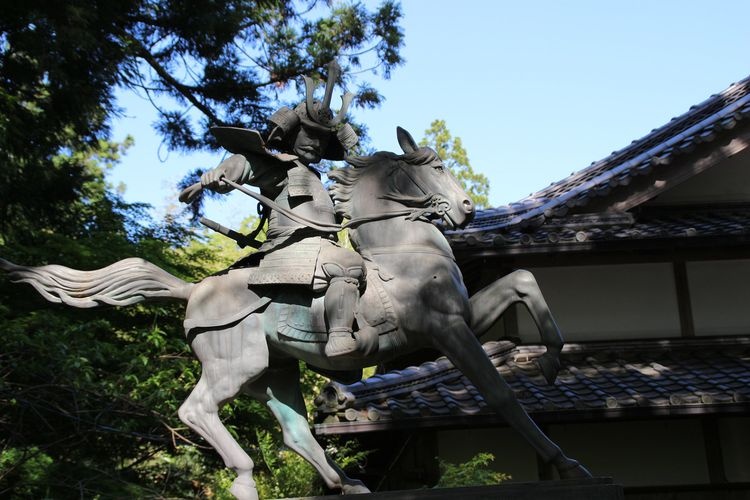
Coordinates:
(345, 179)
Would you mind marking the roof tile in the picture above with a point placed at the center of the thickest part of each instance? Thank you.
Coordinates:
(643, 374)
(652, 224)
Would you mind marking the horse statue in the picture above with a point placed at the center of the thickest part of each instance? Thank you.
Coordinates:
(249, 340)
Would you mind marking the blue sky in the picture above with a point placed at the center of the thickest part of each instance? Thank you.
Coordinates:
(535, 89)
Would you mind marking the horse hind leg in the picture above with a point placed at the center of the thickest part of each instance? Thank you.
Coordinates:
(200, 413)
(230, 358)
(279, 389)
(491, 302)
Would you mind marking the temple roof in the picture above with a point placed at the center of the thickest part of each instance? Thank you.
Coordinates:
(704, 123)
(602, 379)
(689, 224)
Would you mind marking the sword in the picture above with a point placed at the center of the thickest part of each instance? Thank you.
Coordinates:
(242, 240)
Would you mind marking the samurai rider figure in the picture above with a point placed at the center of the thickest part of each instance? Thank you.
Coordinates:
(301, 247)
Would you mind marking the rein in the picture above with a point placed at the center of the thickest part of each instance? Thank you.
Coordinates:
(425, 206)
(324, 227)
(422, 207)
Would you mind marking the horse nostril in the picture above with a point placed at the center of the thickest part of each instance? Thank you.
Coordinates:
(468, 206)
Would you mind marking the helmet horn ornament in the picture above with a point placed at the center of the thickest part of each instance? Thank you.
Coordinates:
(320, 112)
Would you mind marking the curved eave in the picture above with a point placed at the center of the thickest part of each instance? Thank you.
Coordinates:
(703, 124)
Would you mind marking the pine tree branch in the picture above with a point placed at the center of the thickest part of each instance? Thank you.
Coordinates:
(183, 89)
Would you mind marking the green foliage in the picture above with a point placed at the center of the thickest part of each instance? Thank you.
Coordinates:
(473, 472)
(451, 150)
(89, 398)
(227, 60)
(284, 474)
(27, 468)
(201, 63)
(346, 453)
(96, 391)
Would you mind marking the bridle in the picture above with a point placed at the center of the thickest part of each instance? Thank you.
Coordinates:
(418, 207)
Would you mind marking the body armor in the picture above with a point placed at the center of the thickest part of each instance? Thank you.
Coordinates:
(304, 194)
(294, 253)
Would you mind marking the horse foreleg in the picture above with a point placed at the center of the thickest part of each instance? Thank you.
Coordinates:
(279, 389)
(230, 358)
(459, 344)
(489, 304)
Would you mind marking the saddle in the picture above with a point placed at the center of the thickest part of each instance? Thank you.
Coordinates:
(304, 320)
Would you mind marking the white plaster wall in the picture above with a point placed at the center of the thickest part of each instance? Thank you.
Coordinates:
(638, 453)
(720, 296)
(609, 302)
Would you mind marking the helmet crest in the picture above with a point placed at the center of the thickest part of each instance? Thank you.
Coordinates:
(320, 112)
(317, 116)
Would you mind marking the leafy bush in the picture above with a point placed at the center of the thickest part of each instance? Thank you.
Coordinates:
(285, 474)
(26, 469)
(473, 472)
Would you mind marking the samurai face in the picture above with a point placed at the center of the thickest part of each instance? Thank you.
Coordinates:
(310, 144)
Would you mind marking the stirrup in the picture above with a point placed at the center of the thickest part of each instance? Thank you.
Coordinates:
(341, 342)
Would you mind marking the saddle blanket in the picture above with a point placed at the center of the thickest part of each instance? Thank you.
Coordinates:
(304, 321)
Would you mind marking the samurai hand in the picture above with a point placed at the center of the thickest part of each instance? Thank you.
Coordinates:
(232, 168)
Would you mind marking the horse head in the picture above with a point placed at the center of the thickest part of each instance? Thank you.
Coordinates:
(416, 184)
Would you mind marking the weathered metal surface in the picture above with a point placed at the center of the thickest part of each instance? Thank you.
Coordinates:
(395, 199)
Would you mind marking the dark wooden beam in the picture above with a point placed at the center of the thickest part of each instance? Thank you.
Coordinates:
(684, 305)
(714, 453)
(450, 422)
(494, 261)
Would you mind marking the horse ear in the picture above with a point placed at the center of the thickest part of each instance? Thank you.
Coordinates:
(406, 141)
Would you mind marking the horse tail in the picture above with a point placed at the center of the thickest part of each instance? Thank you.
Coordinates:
(123, 283)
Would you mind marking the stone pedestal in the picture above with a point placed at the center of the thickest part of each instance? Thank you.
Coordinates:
(600, 488)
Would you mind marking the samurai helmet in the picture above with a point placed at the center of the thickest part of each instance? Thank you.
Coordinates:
(317, 116)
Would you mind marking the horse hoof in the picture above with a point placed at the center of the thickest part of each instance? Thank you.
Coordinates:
(549, 366)
(572, 469)
(244, 489)
(355, 487)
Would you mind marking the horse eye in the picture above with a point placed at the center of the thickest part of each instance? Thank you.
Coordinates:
(439, 168)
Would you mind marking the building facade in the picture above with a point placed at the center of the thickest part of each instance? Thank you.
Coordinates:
(644, 259)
